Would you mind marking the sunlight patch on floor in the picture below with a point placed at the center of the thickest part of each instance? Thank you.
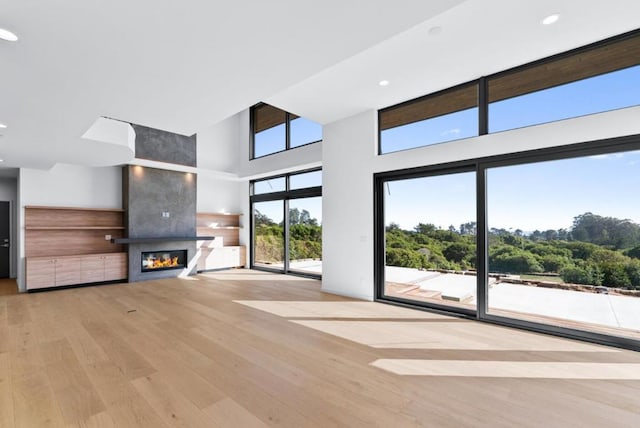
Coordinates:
(511, 369)
(468, 335)
(245, 275)
(343, 309)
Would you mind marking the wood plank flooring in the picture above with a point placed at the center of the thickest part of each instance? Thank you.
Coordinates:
(8, 287)
(252, 349)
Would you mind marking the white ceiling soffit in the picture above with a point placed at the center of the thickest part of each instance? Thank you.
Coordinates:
(476, 38)
(119, 135)
(176, 66)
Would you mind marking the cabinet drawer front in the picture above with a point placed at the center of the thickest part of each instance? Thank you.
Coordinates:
(40, 273)
(92, 275)
(92, 263)
(68, 270)
(115, 258)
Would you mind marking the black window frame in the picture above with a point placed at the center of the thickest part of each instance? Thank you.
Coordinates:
(287, 123)
(481, 165)
(285, 196)
(483, 85)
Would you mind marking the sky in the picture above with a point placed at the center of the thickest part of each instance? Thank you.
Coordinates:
(272, 140)
(541, 196)
(274, 209)
(606, 92)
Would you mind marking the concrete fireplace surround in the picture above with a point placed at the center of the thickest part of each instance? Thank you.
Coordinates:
(154, 144)
(160, 203)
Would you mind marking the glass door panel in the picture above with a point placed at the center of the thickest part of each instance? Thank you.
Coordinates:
(564, 242)
(268, 236)
(430, 240)
(305, 235)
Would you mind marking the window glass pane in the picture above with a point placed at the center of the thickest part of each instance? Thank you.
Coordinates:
(270, 185)
(305, 235)
(308, 179)
(304, 131)
(453, 126)
(605, 92)
(430, 240)
(268, 223)
(269, 129)
(448, 116)
(564, 242)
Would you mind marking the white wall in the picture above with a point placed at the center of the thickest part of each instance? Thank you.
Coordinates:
(71, 185)
(9, 192)
(66, 185)
(349, 162)
(347, 206)
(218, 195)
(296, 159)
(218, 146)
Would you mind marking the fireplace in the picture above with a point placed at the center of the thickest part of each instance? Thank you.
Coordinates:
(163, 260)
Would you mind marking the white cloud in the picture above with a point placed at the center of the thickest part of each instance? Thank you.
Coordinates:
(454, 131)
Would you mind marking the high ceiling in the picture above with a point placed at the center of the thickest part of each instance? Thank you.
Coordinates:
(184, 66)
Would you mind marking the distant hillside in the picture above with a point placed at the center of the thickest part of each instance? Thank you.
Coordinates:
(596, 250)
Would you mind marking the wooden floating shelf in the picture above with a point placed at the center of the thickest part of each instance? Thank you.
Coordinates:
(74, 228)
(232, 214)
(39, 207)
(168, 239)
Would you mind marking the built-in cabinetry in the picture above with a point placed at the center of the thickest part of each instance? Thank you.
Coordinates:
(225, 250)
(69, 246)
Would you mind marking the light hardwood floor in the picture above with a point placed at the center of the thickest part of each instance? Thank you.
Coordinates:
(8, 286)
(253, 349)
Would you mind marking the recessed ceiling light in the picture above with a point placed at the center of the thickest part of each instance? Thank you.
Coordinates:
(434, 31)
(7, 35)
(2, 126)
(550, 19)
(383, 83)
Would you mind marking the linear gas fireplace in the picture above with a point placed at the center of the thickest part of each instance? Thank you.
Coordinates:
(163, 260)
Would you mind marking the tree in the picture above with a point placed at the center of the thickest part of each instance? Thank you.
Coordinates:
(425, 228)
(634, 252)
(614, 275)
(550, 235)
(459, 251)
(262, 219)
(609, 231)
(405, 258)
(392, 227)
(468, 228)
(294, 216)
(509, 259)
(588, 274)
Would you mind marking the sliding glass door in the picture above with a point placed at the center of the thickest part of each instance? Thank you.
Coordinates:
(287, 223)
(564, 242)
(548, 240)
(430, 240)
(268, 234)
(305, 235)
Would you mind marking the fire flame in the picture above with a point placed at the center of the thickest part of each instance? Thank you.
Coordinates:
(153, 263)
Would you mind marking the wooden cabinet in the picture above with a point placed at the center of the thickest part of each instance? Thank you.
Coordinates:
(41, 272)
(46, 272)
(68, 246)
(104, 267)
(225, 250)
(68, 271)
(115, 267)
(222, 257)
